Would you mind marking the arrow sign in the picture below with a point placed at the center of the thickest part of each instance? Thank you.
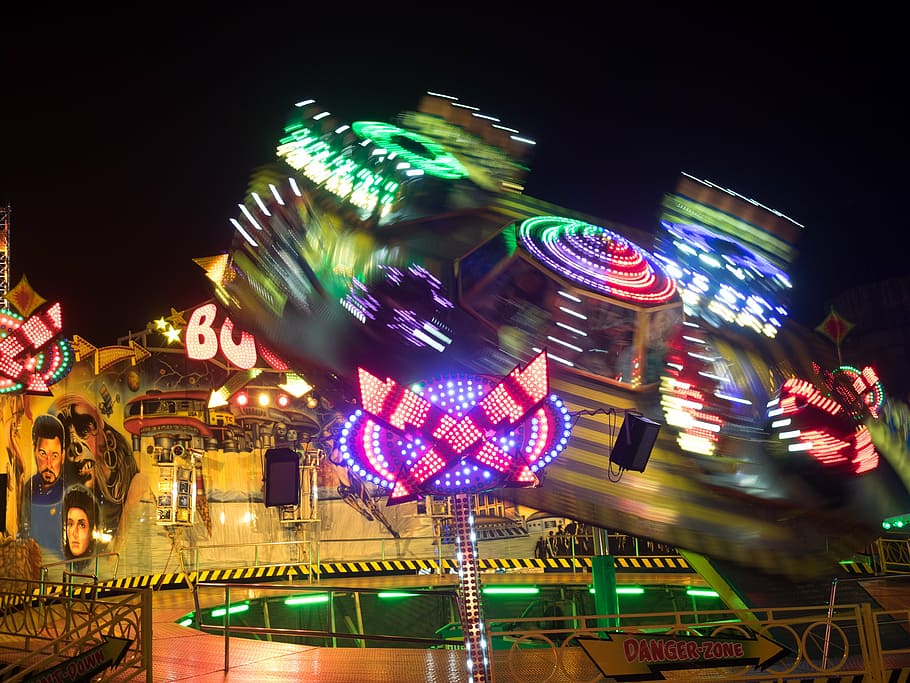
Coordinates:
(107, 356)
(637, 656)
(84, 667)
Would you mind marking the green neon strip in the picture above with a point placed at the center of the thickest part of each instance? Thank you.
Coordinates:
(319, 598)
(233, 609)
(390, 595)
(625, 590)
(629, 590)
(511, 590)
(701, 593)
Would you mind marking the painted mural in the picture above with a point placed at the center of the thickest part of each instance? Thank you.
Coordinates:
(128, 455)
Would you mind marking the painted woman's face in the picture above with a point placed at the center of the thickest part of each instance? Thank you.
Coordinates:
(78, 531)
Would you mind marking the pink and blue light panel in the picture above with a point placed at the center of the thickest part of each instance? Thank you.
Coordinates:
(455, 434)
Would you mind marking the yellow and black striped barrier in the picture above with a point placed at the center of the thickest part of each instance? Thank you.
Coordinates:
(670, 564)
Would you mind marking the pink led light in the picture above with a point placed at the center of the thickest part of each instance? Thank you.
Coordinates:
(201, 341)
(36, 332)
(411, 410)
(866, 456)
(462, 435)
(272, 359)
(826, 448)
(373, 392)
(493, 457)
(8, 386)
(427, 466)
(241, 353)
(541, 438)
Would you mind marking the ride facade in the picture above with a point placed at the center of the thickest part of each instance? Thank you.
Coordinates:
(405, 252)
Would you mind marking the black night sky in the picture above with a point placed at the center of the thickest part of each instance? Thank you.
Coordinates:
(127, 142)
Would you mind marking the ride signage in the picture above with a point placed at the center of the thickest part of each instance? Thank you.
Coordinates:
(633, 656)
(239, 347)
(85, 666)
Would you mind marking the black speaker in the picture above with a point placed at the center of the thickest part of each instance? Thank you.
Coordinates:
(633, 445)
(282, 477)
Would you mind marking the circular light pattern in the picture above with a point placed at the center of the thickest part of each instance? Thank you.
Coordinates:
(412, 148)
(383, 456)
(597, 259)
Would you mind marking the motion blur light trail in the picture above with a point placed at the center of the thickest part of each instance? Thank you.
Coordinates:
(409, 248)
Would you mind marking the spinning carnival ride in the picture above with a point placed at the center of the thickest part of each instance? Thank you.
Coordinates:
(407, 251)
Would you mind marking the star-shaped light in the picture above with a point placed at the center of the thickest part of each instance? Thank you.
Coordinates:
(176, 318)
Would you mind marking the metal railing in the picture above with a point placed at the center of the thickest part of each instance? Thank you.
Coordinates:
(312, 553)
(893, 555)
(102, 565)
(780, 644)
(46, 625)
(327, 596)
(785, 644)
(223, 555)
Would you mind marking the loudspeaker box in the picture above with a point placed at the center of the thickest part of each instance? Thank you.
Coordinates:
(282, 477)
(633, 445)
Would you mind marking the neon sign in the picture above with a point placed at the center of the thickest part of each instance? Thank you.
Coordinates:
(31, 356)
(455, 434)
(203, 342)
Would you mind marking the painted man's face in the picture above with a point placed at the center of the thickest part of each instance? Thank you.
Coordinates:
(49, 459)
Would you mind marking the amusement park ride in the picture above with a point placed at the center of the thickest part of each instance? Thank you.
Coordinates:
(466, 338)
(408, 250)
